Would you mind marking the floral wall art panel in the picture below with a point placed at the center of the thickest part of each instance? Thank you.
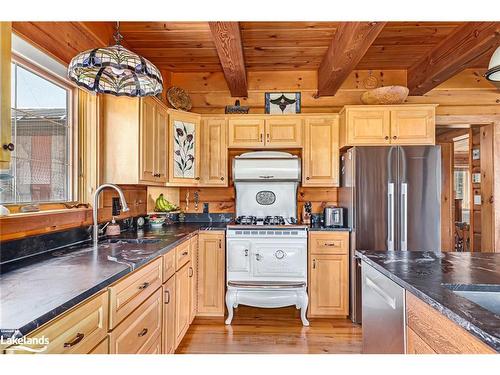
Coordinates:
(184, 149)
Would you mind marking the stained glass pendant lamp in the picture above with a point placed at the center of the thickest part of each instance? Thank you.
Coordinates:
(115, 70)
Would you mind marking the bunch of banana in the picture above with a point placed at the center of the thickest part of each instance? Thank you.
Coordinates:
(162, 205)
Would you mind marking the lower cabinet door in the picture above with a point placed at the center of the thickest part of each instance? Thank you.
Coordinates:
(138, 332)
(169, 316)
(101, 348)
(328, 286)
(415, 345)
(194, 278)
(182, 302)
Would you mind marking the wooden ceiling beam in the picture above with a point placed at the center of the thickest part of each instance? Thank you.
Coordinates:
(349, 45)
(227, 40)
(458, 51)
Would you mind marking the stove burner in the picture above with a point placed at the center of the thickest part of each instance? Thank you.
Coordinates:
(267, 220)
(274, 220)
(246, 220)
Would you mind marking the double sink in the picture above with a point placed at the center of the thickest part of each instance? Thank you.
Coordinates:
(484, 295)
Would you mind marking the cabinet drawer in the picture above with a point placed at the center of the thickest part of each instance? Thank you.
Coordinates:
(329, 243)
(76, 332)
(129, 293)
(169, 265)
(139, 330)
(182, 254)
(101, 348)
(415, 345)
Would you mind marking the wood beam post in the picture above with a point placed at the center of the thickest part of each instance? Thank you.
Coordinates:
(227, 41)
(349, 45)
(454, 54)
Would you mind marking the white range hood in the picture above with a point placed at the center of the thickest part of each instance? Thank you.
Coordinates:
(266, 166)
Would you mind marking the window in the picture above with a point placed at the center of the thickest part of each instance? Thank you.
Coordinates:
(41, 166)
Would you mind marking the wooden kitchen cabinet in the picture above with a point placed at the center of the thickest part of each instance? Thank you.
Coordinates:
(182, 302)
(184, 157)
(415, 345)
(141, 329)
(283, 131)
(5, 93)
(168, 327)
(78, 331)
(320, 162)
(193, 244)
(381, 125)
(246, 132)
(214, 152)
(211, 273)
(135, 140)
(328, 274)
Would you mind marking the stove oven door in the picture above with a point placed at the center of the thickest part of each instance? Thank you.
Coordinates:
(238, 259)
(279, 260)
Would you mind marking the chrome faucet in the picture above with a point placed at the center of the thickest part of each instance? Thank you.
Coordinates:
(95, 229)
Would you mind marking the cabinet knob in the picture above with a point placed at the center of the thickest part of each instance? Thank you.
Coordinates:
(9, 147)
(144, 285)
(394, 137)
(307, 178)
(386, 137)
(222, 178)
(197, 178)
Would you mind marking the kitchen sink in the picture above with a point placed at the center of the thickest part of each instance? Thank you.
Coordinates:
(485, 295)
(129, 241)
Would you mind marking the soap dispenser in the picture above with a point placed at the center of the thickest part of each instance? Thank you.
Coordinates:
(113, 229)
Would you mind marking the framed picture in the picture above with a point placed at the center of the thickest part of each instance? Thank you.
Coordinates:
(282, 103)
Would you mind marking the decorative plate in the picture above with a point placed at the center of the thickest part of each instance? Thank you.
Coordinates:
(179, 99)
(385, 95)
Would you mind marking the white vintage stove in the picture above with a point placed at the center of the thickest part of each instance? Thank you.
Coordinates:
(266, 249)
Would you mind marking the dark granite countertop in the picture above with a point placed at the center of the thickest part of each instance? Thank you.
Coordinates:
(38, 291)
(319, 228)
(427, 275)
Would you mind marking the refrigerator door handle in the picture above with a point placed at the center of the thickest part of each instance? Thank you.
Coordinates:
(404, 216)
(390, 216)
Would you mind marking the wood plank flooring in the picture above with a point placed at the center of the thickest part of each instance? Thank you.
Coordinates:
(273, 331)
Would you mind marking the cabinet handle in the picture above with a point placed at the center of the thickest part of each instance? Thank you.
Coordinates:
(143, 332)
(246, 252)
(268, 137)
(184, 253)
(329, 244)
(191, 272)
(144, 285)
(79, 337)
(9, 147)
(386, 137)
(197, 178)
(167, 297)
(261, 135)
(314, 263)
(220, 244)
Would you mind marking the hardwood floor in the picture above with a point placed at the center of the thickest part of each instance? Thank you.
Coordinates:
(273, 331)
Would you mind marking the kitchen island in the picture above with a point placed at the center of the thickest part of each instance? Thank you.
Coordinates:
(451, 302)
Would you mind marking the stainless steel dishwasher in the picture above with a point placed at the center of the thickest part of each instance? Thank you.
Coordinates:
(383, 313)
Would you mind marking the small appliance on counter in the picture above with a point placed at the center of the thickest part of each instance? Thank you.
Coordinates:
(306, 213)
(333, 216)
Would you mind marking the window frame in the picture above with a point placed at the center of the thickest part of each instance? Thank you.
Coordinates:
(73, 137)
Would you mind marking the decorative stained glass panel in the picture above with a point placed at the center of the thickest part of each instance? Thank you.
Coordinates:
(184, 149)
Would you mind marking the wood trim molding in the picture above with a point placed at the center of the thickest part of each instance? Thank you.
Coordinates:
(349, 45)
(229, 47)
(454, 54)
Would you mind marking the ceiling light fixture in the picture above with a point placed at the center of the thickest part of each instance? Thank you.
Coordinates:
(493, 72)
(115, 70)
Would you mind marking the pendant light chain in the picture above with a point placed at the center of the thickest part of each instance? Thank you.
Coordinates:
(117, 36)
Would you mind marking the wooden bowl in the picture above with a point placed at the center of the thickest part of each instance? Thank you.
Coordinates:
(385, 95)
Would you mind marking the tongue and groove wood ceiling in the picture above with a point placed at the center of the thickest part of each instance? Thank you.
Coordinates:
(430, 52)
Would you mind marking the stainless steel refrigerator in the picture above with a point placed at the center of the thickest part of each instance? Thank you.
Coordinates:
(392, 195)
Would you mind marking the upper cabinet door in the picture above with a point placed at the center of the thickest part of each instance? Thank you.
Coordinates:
(413, 126)
(148, 140)
(367, 126)
(161, 118)
(283, 132)
(321, 152)
(246, 132)
(184, 149)
(213, 152)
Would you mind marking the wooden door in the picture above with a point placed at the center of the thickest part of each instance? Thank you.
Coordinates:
(184, 148)
(211, 271)
(328, 287)
(283, 132)
(367, 126)
(5, 94)
(244, 132)
(214, 152)
(182, 302)
(148, 137)
(169, 316)
(193, 243)
(321, 152)
(413, 126)
(161, 162)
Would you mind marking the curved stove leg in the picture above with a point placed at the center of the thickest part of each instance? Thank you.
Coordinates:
(230, 303)
(303, 302)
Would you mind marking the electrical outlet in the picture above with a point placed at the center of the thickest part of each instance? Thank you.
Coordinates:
(205, 208)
